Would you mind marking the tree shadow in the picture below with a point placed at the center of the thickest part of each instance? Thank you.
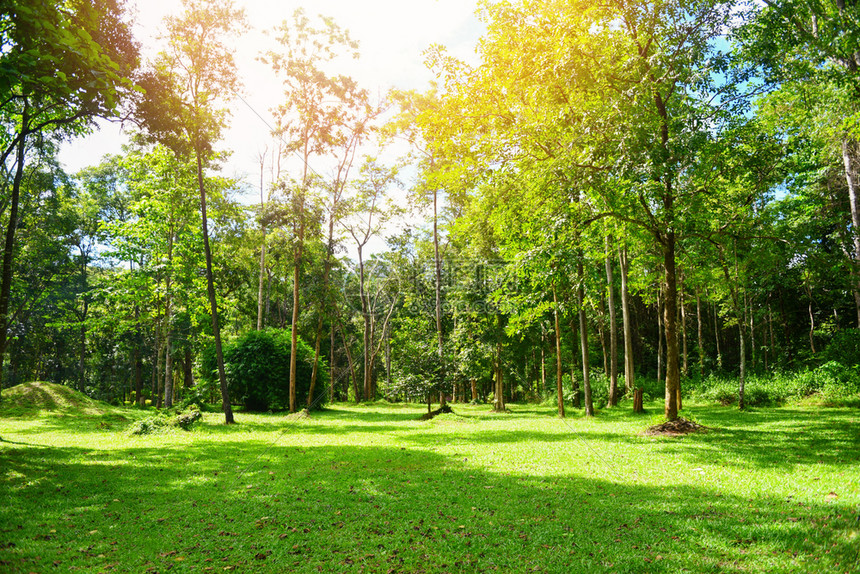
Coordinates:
(268, 508)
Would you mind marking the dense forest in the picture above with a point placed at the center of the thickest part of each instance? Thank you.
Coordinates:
(656, 195)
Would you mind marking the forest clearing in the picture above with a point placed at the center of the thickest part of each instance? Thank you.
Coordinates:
(370, 488)
(224, 354)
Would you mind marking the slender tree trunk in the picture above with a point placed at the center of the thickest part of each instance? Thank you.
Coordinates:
(742, 380)
(438, 261)
(317, 341)
(387, 334)
(159, 367)
(770, 331)
(750, 320)
(659, 334)
(629, 374)
(602, 334)
(294, 327)
(365, 313)
(717, 338)
(138, 366)
(499, 392)
(213, 302)
(583, 340)
(187, 371)
(9, 245)
(168, 325)
(331, 365)
(686, 367)
(700, 341)
(542, 358)
(613, 328)
(558, 374)
(262, 249)
(82, 367)
(851, 178)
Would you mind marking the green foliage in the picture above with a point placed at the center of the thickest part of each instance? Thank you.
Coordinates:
(162, 422)
(186, 419)
(150, 425)
(844, 347)
(258, 370)
(831, 383)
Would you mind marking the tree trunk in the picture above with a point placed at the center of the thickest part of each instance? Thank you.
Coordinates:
(331, 364)
(294, 327)
(542, 359)
(673, 376)
(602, 334)
(159, 367)
(262, 250)
(851, 178)
(583, 339)
(474, 384)
(659, 334)
(9, 245)
(82, 367)
(138, 375)
(613, 329)
(558, 377)
(438, 262)
(629, 375)
(168, 327)
(701, 349)
(187, 371)
(365, 314)
(499, 391)
(213, 302)
(743, 374)
(717, 338)
(685, 368)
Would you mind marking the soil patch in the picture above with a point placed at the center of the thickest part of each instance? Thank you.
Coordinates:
(439, 411)
(677, 427)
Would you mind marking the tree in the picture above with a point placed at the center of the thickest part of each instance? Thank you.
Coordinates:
(370, 212)
(313, 119)
(180, 109)
(63, 64)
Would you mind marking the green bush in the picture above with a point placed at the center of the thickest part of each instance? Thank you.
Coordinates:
(186, 419)
(161, 422)
(258, 370)
(150, 425)
(844, 348)
(832, 381)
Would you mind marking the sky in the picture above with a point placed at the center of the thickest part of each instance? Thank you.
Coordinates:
(392, 36)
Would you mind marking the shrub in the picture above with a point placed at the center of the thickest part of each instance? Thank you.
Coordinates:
(150, 425)
(161, 422)
(185, 420)
(844, 348)
(258, 370)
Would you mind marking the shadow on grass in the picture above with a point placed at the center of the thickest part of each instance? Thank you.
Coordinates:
(265, 508)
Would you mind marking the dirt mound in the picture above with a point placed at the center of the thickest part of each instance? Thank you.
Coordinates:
(38, 396)
(439, 411)
(677, 427)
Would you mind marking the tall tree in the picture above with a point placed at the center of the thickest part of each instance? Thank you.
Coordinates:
(63, 64)
(312, 120)
(180, 108)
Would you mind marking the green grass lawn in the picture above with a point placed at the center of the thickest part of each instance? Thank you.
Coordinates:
(371, 489)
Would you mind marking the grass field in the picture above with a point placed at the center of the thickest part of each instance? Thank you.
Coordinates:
(371, 489)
